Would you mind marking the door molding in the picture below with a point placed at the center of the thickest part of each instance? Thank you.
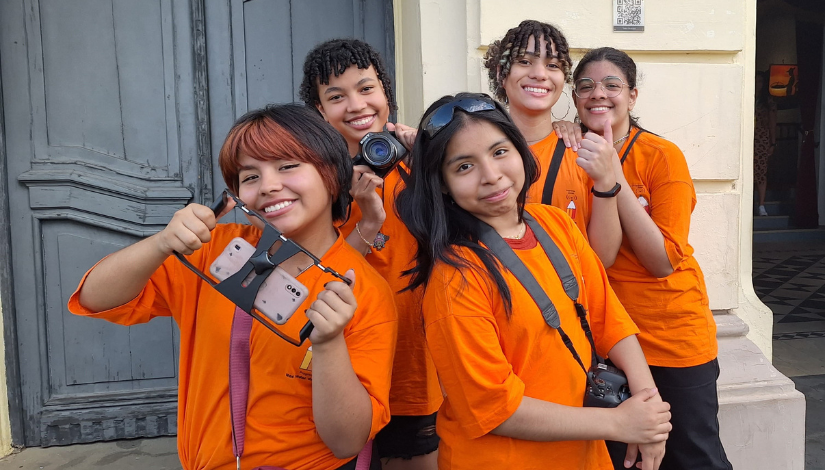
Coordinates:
(12, 359)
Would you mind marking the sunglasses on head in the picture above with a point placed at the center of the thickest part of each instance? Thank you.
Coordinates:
(242, 294)
(443, 115)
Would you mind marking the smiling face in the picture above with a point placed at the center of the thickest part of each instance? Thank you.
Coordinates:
(535, 82)
(596, 108)
(355, 104)
(483, 172)
(290, 194)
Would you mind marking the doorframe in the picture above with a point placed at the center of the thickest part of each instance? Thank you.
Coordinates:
(14, 391)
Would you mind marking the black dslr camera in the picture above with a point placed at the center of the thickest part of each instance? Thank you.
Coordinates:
(606, 387)
(380, 151)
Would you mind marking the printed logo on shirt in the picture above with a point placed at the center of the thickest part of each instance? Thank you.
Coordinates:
(645, 204)
(306, 364)
(571, 210)
(304, 370)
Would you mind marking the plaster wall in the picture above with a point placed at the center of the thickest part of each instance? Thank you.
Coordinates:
(5, 423)
(696, 61)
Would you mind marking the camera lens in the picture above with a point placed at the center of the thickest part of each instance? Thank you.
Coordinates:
(378, 151)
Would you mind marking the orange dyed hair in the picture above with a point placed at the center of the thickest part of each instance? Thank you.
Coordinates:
(290, 132)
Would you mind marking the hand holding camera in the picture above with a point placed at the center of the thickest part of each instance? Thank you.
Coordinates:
(188, 230)
(380, 151)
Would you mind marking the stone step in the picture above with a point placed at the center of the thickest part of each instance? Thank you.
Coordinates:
(789, 235)
(770, 222)
(777, 208)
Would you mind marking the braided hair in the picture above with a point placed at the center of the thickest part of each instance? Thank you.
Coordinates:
(502, 53)
(335, 57)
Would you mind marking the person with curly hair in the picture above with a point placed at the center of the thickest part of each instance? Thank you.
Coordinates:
(528, 69)
(346, 81)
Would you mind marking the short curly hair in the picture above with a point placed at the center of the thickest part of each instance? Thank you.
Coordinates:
(502, 53)
(335, 57)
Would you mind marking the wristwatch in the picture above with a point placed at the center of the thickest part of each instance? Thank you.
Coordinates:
(612, 193)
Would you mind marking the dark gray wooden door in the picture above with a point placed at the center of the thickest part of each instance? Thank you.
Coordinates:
(113, 112)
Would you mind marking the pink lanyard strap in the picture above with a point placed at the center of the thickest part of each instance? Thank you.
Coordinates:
(239, 388)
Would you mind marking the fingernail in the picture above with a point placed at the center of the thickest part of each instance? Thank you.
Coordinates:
(628, 464)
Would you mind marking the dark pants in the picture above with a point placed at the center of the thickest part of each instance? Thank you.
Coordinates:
(406, 437)
(694, 442)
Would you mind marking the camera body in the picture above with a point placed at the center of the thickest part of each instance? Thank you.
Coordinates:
(610, 388)
(380, 151)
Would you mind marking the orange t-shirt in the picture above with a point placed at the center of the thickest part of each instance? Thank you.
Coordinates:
(571, 192)
(415, 390)
(280, 429)
(677, 326)
(488, 362)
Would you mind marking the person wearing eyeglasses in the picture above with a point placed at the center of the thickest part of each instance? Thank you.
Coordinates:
(309, 407)
(655, 275)
(514, 382)
(528, 70)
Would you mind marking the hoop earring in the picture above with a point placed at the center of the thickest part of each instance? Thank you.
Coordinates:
(564, 92)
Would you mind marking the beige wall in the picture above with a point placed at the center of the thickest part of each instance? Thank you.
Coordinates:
(696, 61)
(5, 424)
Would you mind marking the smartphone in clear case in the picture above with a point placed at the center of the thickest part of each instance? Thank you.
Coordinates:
(280, 294)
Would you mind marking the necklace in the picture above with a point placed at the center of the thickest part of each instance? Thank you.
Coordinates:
(521, 232)
(302, 270)
(622, 139)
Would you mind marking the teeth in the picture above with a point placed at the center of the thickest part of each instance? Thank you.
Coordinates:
(278, 206)
(362, 121)
(599, 108)
(536, 90)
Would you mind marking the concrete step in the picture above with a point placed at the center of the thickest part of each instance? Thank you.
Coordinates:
(777, 208)
(770, 222)
(789, 235)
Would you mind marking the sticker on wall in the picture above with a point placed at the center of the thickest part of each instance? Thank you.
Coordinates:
(628, 16)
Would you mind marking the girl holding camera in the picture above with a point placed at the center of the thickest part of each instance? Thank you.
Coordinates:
(346, 81)
(306, 407)
(513, 389)
(655, 274)
(528, 69)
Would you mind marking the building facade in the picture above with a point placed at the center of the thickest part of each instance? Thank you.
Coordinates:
(696, 59)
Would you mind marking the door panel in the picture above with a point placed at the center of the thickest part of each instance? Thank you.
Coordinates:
(113, 114)
(102, 153)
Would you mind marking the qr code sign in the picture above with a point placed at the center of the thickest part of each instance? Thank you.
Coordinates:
(628, 15)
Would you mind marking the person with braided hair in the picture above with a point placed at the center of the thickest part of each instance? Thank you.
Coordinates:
(346, 82)
(528, 69)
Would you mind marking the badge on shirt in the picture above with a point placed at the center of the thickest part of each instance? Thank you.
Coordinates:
(380, 241)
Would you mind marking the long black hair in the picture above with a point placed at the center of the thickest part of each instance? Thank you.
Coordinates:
(439, 225)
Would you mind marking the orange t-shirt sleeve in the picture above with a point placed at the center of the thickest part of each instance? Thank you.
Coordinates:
(149, 303)
(672, 202)
(463, 338)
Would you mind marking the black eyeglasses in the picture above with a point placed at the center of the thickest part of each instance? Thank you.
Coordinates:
(263, 263)
(612, 87)
(443, 115)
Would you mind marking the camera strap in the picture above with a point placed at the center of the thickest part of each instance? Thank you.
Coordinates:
(513, 263)
(239, 354)
(553, 173)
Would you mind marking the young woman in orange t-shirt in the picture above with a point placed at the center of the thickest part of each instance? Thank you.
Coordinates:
(513, 390)
(655, 274)
(309, 407)
(347, 82)
(529, 69)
